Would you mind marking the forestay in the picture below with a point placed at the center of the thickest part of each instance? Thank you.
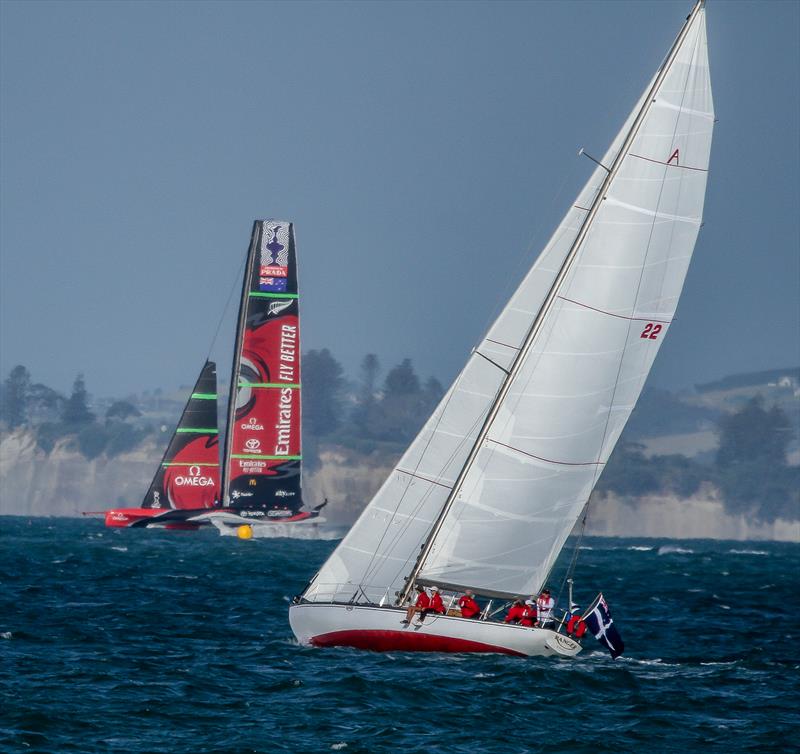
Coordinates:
(572, 395)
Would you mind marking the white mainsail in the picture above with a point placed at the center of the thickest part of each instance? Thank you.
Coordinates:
(577, 374)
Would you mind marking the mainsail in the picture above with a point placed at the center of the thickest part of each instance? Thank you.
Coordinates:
(491, 487)
(188, 476)
(262, 459)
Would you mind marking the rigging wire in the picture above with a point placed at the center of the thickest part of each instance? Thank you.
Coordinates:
(574, 560)
(234, 285)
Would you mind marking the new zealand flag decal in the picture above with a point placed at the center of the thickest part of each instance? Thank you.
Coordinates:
(275, 285)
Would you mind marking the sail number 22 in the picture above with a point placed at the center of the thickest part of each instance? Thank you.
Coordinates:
(651, 331)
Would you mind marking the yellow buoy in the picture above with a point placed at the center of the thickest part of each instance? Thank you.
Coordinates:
(245, 531)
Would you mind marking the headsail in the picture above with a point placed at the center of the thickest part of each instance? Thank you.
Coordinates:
(188, 476)
(262, 471)
(530, 422)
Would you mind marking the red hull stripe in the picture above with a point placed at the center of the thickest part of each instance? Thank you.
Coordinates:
(405, 641)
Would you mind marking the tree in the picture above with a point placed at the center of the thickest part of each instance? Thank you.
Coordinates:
(122, 410)
(323, 385)
(753, 434)
(45, 401)
(402, 380)
(433, 392)
(402, 409)
(76, 410)
(751, 463)
(15, 396)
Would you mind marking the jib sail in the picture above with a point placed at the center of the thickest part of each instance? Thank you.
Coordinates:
(262, 459)
(188, 477)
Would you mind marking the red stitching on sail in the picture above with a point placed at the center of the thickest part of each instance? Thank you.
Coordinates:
(424, 479)
(668, 164)
(619, 316)
(546, 460)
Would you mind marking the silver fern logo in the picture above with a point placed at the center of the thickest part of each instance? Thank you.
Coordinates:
(276, 307)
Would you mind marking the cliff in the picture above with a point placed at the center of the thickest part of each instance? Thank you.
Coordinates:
(64, 483)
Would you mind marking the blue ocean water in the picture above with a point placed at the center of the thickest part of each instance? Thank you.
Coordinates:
(150, 641)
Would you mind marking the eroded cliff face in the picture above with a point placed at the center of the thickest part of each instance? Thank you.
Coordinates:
(701, 516)
(64, 483)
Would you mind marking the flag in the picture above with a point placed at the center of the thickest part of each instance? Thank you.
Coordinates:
(601, 624)
(272, 284)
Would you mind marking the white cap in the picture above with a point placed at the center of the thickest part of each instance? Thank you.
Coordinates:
(434, 588)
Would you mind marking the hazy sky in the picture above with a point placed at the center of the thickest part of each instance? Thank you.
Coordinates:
(425, 152)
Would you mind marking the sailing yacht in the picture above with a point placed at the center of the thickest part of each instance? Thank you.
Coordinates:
(187, 479)
(486, 495)
(260, 484)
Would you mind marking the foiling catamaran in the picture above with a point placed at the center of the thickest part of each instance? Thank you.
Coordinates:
(488, 492)
(261, 459)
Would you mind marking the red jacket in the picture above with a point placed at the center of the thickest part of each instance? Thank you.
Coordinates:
(515, 614)
(576, 626)
(528, 617)
(436, 603)
(469, 608)
(423, 600)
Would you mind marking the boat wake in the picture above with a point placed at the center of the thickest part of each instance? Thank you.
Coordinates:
(748, 552)
(288, 531)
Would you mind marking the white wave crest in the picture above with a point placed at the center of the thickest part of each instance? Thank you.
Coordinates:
(640, 548)
(672, 549)
(748, 552)
(655, 661)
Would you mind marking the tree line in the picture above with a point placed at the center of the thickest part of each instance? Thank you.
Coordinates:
(53, 416)
(388, 410)
(750, 467)
(381, 413)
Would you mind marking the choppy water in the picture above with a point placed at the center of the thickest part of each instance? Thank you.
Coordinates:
(148, 641)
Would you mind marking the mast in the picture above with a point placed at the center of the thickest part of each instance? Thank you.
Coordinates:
(237, 352)
(541, 316)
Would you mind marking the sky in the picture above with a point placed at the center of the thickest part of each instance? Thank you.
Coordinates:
(425, 152)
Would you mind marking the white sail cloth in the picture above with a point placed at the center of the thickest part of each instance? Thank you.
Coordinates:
(572, 395)
(578, 385)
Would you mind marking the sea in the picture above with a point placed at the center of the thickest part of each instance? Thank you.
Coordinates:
(152, 641)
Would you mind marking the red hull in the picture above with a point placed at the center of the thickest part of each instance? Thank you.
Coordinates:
(123, 517)
(401, 641)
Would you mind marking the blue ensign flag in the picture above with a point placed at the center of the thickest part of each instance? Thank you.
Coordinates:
(601, 624)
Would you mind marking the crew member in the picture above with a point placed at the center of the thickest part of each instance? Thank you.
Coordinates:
(469, 608)
(515, 612)
(528, 617)
(545, 605)
(422, 604)
(437, 606)
(575, 625)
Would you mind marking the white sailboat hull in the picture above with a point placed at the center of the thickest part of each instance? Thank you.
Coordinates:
(381, 629)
